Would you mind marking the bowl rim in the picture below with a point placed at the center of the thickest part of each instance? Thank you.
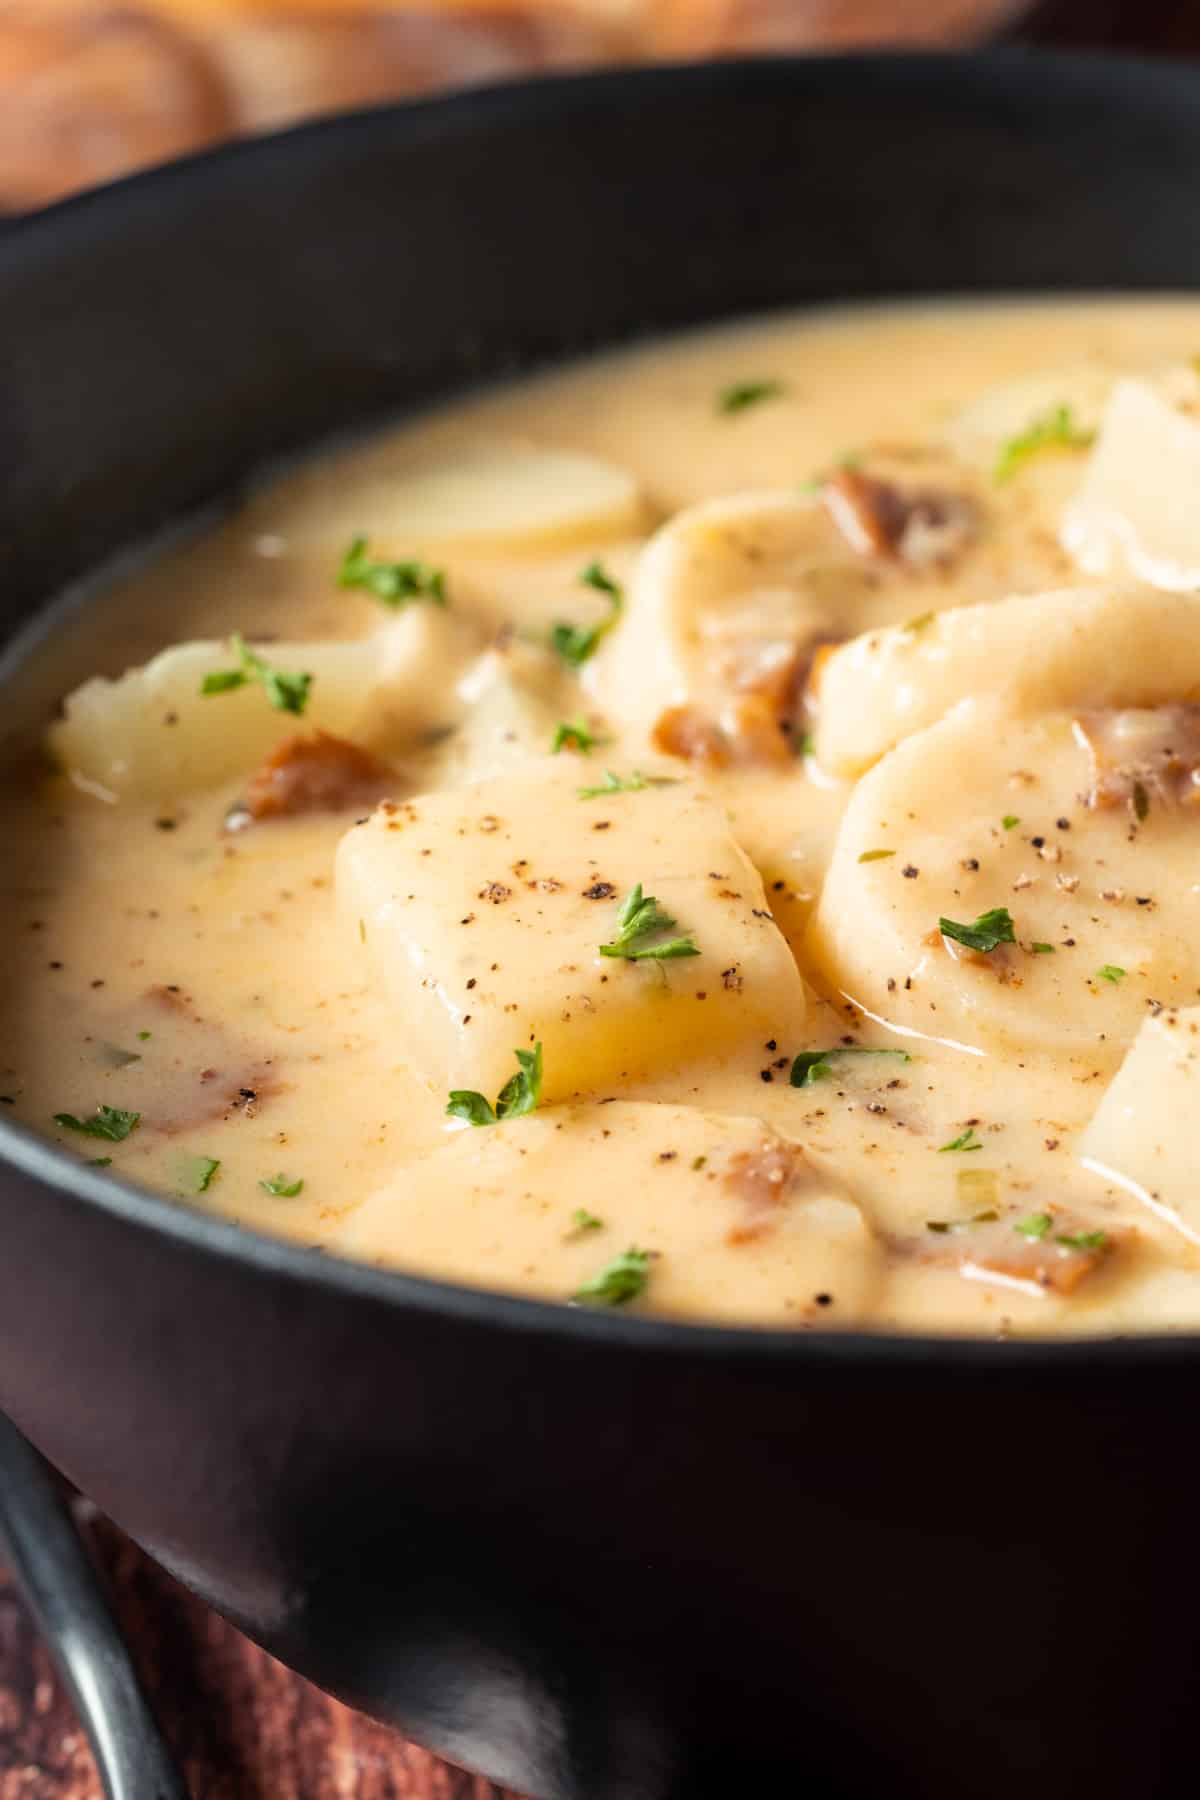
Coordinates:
(188, 1228)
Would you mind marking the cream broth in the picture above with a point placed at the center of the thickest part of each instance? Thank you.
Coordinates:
(880, 804)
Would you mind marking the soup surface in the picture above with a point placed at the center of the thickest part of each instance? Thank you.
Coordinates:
(711, 830)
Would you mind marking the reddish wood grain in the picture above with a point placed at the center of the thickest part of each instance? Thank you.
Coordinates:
(242, 1727)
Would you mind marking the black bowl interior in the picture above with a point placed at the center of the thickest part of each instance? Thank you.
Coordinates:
(595, 1557)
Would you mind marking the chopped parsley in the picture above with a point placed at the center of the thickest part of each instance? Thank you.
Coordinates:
(1053, 430)
(626, 784)
(284, 1187)
(574, 734)
(741, 395)
(618, 1282)
(914, 627)
(582, 1220)
(100, 1162)
(1010, 821)
(287, 692)
(642, 918)
(576, 643)
(394, 583)
(875, 855)
(966, 1140)
(519, 1095)
(195, 1173)
(1110, 972)
(143, 1035)
(812, 1066)
(942, 1226)
(1141, 802)
(109, 1122)
(1042, 949)
(1036, 1226)
(990, 930)
(1083, 1240)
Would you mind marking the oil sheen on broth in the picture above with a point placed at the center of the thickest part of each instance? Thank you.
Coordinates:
(786, 738)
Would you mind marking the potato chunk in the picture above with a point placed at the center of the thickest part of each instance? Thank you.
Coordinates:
(1085, 647)
(738, 1222)
(1143, 1133)
(153, 734)
(483, 910)
(1137, 512)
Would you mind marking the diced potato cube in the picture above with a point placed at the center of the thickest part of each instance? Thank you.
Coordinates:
(1141, 1134)
(1137, 512)
(739, 1223)
(484, 909)
(153, 734)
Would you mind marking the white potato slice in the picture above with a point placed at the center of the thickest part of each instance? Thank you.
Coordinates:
(1138, 511)
(153, 734)
(725, 600)
(1088, 647)
(972, 810)
(1143, 1134)
(483, 911)
(739, 1223)
(505, 495)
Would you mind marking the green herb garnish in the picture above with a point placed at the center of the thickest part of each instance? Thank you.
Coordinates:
(143, 1035)
(1010, 821)
(1054, 430)
(519, 1095)
(1141, 802)
(1110, 972)
(626, 784)
(640, 918)
(284, 1187)
(574, 734)
(395, 583)
(582, 1220)
(1036, 1226)
(1084, 1240)
(875, 855)
(743, 394)
(576, 643)
(195, 1173)
(942, 1226)
(914, 627)
(109, 1122)
(1042, 949)
(618, 1282)
(286, 692)
(990, 930)
(965, 1141)
(812, 1066)
(100, 1162)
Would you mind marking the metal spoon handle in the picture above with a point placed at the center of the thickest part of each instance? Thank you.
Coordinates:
(60, 1587)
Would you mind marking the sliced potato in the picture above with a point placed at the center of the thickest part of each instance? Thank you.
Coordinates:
(505, 495)
(738, 1223)
(983, 811)
(153, 733)
(483, 910)
(1138, 511)
(1087, 647)
(1143, 1134)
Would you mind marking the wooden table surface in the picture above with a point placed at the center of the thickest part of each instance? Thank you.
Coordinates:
(242, 1726)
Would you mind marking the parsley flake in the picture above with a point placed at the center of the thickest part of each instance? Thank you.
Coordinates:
(574, 734)
(576, 643)
(394, 583)
(966, 1140)
(195, 1173)
(869, 856)
(1141, 802)
(626, 784)
(1110, 972)
(1042, 949)
(1010, 821)
(110, 1122)
(1036, 1226)
(618, 1282)
(582, 1220)
(641, 917)
(519, 1095)
(1053, 430)
(287, 692)
(812, 1066)
(1083, 1240)
(741, 395)
(943, 1226)
(990, 930)
(284, 1187)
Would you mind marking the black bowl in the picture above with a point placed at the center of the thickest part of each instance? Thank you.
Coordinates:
(602, 1558)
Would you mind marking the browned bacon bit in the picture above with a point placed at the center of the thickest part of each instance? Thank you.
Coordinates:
(877, 518)
(760, 1180)
(1142, 757)
(306, 774)
(754, 725)
(1040, 1259)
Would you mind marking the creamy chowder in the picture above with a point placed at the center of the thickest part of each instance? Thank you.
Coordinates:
(710, 831)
